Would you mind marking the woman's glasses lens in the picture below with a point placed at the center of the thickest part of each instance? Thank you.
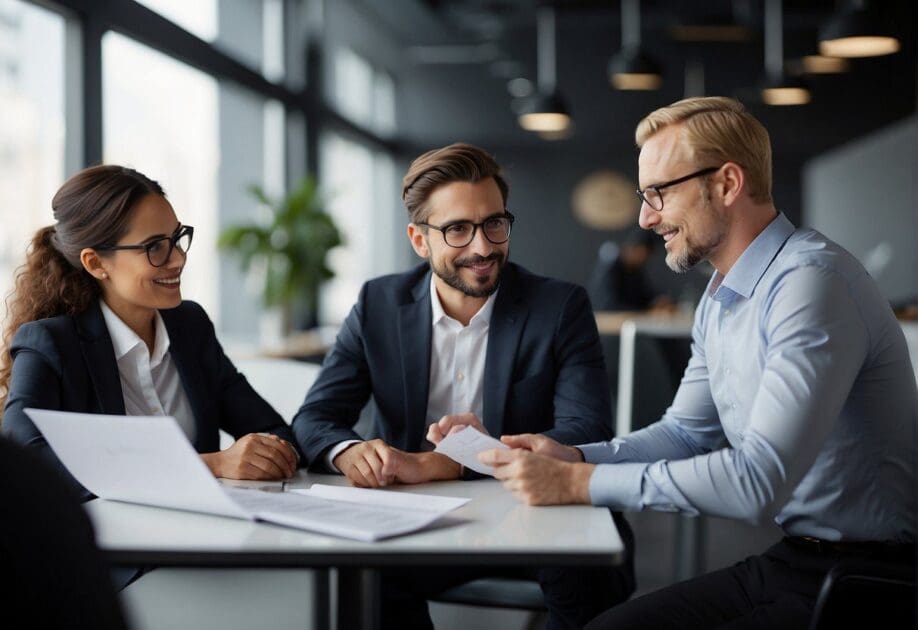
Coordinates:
(159, 251)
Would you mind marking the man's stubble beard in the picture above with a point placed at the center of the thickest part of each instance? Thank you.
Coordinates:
(454, 280)
(694, 253)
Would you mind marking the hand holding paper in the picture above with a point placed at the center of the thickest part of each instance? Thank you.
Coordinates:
(453, 423)
(543, 445)
(464, 446)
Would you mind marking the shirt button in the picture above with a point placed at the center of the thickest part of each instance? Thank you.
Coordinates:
(733, 405)
(459, 376)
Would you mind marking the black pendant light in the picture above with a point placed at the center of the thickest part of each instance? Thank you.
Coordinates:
(632, 68)
(545, 111)
(857, 31)
(778, 88)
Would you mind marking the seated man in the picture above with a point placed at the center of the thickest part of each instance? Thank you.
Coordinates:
(797, 362)
(465, 335)
(619, 280)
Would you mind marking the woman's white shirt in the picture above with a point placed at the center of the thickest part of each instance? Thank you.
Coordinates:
(150, 383)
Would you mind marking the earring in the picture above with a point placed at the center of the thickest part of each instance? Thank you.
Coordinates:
(105, 275)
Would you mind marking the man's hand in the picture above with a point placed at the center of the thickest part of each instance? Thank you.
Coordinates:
(369, 464)
(540, 480)
(260, 456)
(374, 464)
(423, 467)
(542, 445)
(452, 423)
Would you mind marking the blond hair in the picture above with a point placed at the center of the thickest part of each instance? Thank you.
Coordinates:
(718, 130)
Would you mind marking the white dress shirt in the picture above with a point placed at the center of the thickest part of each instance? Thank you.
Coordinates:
(150, 384)
(457, 362)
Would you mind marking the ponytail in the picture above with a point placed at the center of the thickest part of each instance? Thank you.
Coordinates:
(47, 285)
(93, 207)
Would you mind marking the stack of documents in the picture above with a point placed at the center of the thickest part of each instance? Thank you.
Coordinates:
(148, 460)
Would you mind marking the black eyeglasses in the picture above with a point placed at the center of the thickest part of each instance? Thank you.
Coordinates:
(461, 233)
(653, 196)
(159, 250)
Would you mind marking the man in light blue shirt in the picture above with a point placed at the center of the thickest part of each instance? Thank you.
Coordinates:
(798, 404)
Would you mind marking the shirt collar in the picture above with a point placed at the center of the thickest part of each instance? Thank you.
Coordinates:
(755, 259)
(124, 340)
(438, 314)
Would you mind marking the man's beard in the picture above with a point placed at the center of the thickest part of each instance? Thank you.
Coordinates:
(482, 288)
(693, 253)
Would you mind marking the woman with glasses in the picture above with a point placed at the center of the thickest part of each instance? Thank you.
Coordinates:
(96, 324)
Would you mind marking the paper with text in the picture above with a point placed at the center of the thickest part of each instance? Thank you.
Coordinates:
(464, 446)
(384, 498)
(148, 460)
(139, 459)
(360, 521)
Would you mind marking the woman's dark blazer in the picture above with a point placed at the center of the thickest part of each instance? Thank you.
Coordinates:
(68, 363)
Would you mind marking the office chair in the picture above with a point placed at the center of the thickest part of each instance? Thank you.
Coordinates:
(861, 592)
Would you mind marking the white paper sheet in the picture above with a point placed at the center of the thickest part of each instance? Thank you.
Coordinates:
(338, 518)
(464, 446)
(148, 460)
(139, 459)
(385, 498)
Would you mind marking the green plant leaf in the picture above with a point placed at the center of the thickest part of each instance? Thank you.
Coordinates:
(293, 244)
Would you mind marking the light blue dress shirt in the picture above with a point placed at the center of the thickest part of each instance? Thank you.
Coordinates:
(800, 365)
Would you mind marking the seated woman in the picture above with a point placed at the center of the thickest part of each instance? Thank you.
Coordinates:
(96, 324)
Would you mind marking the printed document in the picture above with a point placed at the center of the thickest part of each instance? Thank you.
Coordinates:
(148, 460)
(464, 446)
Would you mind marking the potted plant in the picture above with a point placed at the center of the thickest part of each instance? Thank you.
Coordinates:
(292, 247)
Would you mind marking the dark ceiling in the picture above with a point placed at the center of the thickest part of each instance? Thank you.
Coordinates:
(461, 54)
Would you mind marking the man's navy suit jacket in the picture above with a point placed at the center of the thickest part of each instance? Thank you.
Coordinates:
(544, 369)
(68, 363)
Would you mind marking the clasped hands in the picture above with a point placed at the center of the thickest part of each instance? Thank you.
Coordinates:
(537, 469)
(260, 456)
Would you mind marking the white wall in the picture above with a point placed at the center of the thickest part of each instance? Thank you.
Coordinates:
(864, 196)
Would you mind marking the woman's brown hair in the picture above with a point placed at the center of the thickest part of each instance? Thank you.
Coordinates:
(93, 208)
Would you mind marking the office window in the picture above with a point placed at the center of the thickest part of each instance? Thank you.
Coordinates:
(205, 141)
(362, 93)
(360, 187)
(384, 104)
(160, 117)
(32, 127)
(198, 17)
(251, 31)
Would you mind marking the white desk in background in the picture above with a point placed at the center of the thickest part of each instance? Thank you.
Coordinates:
(690, 531)
(493, 529)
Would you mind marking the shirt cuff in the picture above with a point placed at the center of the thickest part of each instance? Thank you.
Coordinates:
(617, 486)
(598, 452)
(333, 452)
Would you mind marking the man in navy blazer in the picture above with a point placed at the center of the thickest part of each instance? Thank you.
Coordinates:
(68, 363)
(544, 370)
(464, 338)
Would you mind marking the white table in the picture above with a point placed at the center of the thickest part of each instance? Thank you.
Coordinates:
(493, 529)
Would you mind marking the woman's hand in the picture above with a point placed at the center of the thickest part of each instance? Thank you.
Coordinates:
(260, 456)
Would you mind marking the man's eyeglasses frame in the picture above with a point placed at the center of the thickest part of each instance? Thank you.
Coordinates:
(659, 187)
(507, 216)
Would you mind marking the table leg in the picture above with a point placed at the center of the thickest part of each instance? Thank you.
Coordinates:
(321, 597)
(358, 599)
(690, 535)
